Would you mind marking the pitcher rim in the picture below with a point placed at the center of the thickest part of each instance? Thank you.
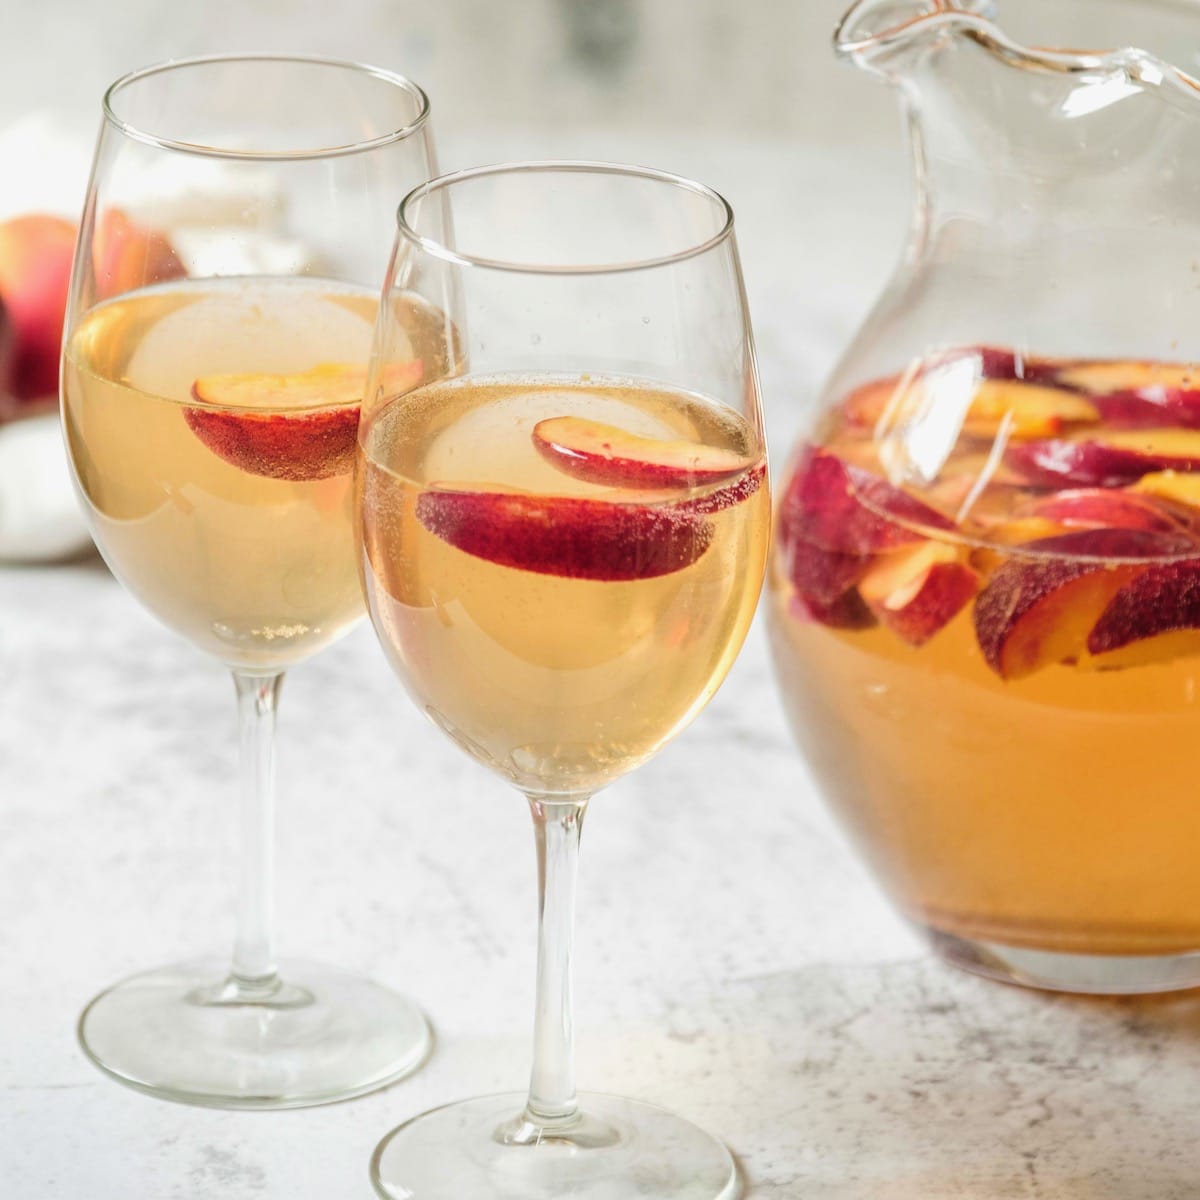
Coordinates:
(948, 14)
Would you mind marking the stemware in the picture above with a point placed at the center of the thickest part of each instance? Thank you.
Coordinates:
(563, 541)
(222, 303)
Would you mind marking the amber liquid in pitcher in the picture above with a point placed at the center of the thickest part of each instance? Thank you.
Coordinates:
(995, 670)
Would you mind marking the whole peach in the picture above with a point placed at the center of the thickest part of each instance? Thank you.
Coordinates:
(35, 272)
(125, 255)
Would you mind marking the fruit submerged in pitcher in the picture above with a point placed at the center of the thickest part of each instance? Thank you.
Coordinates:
(985, 605)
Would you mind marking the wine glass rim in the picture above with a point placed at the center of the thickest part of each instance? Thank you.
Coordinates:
(583, 166)
(132, 130)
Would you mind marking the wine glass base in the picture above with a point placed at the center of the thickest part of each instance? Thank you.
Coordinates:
(186, 1033)
(1094, 974)
(621, 1150)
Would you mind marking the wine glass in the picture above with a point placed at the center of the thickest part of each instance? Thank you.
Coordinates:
(563, 541)
(225, 289)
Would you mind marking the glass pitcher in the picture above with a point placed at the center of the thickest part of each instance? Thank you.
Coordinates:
(985, 588)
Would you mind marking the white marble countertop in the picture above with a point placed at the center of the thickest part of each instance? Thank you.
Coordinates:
(734, 961)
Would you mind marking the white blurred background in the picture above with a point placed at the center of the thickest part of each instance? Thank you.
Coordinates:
(555, 68)
(745, 95)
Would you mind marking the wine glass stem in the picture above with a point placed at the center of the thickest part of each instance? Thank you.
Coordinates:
(557, 825)
(254, 948)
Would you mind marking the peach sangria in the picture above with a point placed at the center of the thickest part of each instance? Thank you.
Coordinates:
(561, 569)
(985, 606)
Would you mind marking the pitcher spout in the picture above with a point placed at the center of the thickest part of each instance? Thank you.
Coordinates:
(877, 33)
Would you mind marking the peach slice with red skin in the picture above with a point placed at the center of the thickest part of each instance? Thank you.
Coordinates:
(918, 591)
(1018, 407)
(725, 497)
(822, 576)
(1099, 508)
(1154, 617)
(1039, 610)
(1024, 410)
(606, 454)
(848, 611)
(1138, 393)
(567, 536)
(308, 425)
(1180, 490)
(998, 362)
(841, 507)
(1115, 459)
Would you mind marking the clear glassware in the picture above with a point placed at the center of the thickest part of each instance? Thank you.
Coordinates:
(562, 547)
(983, 588)
(225, 289)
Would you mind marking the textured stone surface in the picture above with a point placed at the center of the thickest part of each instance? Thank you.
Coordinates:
(733, 962)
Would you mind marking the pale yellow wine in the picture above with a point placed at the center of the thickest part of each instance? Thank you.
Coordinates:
(231, 523)
(559, 629)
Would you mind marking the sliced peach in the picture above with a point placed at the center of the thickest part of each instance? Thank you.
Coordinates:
(126, 255)
(1178, 447)
(1155, 617)
(848, 611)
(1037, 611)
(1022, 409)
(916, 592)
(721, 498)
(841, 507)
(607, 454)
(1018, 531)
(1139, 393)
(1116, 458)
(565, 535)
(868, 402)
(998, 362)
(819, 575)
(1106, 376)
(1097, 508)
(1176, 487)
(295, 427)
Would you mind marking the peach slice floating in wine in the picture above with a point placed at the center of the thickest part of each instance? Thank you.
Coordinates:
(1154, 617)
(916, 592)
(1024, 410)
(848, 611)
(566, 535)
(1178, 489)
(1039, 607)
(1099, 508)
(1139, 393)
(295, 427)
(725, 497)
(1114, 459)
(1019, 408)
(606, 454)
(842, 507)
(821, 576)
